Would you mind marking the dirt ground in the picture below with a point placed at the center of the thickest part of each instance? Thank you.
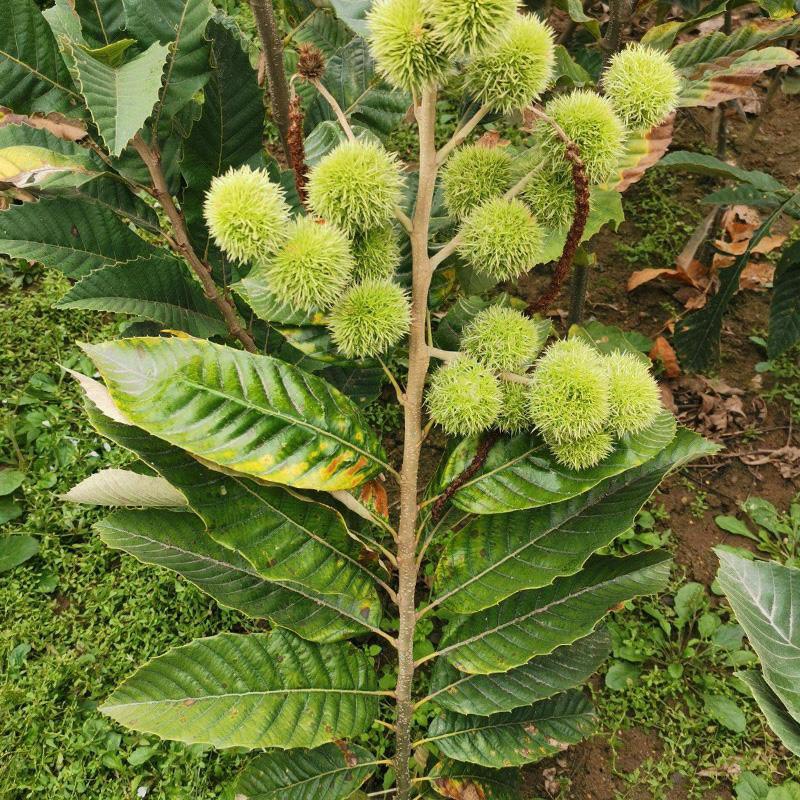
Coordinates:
(726, 479)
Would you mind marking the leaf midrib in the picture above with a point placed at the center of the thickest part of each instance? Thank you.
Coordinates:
(228, 695)
(510, 724)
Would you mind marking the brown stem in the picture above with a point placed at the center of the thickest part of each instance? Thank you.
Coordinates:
(272, 46)
(575, 234)
(418, 362)
(182, 245)
(486, 444)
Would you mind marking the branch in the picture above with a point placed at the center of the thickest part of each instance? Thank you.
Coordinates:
(579, 219)
(272, 46)
(468, 473)
(461, 134)
(443, 355)
(182, 245)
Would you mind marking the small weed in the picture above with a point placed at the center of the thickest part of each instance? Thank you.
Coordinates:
(662, 219)
(777, 534)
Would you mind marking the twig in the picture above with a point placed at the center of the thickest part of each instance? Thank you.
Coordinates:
(461, 134)
(418, 363)
(335, 107)
(401, 395)
(272, 47)
(619, 10)
(443, 355)
(182, 244)
(401, 216)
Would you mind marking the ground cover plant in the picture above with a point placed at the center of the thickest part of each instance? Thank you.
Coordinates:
(261, 469)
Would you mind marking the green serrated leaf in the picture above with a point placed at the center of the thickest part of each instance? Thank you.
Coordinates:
(254, 691)
(181, 24)
(111, 194)
(157, 288)
(249, 413)
(180, 542)
(120, 100)
(75, 237)
(727, 79)
(748, 36)
(517, 737)
(322, 29)
(102, 20)
(229, 131)
(31, 66)
(568, 71)
(332, 772)
(662, 36)
(495, 556)
(254, 290)
(605, 207)
(786, 728)
(303, 548)
(543, 677)
(520, 472)
(704, 164)
(354, 14)
(764, 596)
(366, 99)
(534, 623)
(609, 338)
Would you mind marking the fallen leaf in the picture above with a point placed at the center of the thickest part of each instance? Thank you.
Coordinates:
(766, 245)
(663, 351)
(757, 276)
(667, 398)
(642, 276)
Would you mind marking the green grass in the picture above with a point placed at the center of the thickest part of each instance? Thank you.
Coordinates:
(77, 618)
